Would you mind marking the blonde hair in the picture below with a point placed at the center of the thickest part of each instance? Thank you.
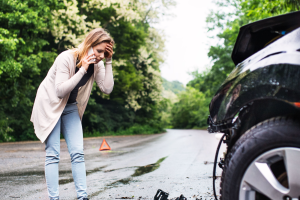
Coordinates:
(95, 37)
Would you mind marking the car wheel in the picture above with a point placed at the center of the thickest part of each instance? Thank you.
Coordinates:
(264, 163)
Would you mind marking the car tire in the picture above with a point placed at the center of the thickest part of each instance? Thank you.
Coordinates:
(267, 154)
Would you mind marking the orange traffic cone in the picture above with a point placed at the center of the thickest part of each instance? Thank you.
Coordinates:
(104, 146)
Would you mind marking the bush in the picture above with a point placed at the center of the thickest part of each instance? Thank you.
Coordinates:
(191, 110)
(136, 129)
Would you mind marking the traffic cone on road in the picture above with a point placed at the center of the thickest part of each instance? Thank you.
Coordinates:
(104, 146)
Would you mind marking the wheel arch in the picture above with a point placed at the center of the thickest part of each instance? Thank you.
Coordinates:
(258, 111)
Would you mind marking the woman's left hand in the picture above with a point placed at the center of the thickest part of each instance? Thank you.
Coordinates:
(109, 50)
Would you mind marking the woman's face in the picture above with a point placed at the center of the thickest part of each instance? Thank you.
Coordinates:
(99, 51)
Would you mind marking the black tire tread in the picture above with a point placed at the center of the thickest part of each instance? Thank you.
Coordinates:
(276, 121)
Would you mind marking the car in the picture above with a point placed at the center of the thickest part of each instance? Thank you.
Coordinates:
(258, 109)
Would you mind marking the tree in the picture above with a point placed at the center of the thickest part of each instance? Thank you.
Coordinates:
(189, 110)
(22, 59)
(227, 24)
(241, 13)
(33, 33)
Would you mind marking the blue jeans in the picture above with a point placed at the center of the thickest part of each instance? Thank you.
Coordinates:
(69, 124)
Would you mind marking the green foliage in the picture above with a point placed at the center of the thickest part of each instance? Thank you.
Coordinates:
(33, 33)
(241, 12)
(165, 107)
(188, 112)
(136, 95)
(23, 24)
(174, 86)
(169, 93)
(135, 129)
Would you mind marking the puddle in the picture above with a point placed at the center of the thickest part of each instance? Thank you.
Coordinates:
(123, 181)
(41, 174)
(24, 174)
(148, 168)
(138, 172)
(30, 173)
(65, 181)
(88, 172)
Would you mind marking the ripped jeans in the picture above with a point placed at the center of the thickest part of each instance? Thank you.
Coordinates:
(69, 124)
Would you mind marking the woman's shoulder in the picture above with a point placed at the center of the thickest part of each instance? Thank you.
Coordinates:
(66, 56)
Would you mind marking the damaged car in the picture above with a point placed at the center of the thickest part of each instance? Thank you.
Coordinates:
(258, 109)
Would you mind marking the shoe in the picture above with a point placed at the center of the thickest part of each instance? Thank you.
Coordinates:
(85, 199)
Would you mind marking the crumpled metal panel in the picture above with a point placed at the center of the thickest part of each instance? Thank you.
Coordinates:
(255, 36)
(271, 73)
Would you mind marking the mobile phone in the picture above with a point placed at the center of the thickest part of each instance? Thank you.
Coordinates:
(91, 52)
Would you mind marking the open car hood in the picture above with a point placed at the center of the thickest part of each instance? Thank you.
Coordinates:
(257, 35)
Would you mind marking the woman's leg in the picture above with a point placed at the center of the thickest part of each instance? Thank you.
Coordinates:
(52, 159)
(72, 131)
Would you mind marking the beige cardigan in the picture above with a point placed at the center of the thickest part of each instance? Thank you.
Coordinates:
(54, 91)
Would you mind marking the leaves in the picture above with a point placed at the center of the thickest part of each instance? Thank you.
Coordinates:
(226, 25)
(33, 33)
(190, 109)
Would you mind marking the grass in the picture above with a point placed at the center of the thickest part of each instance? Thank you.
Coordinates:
(133, 130)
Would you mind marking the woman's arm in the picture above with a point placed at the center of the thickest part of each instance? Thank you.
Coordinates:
(63, 83)
(104, 77)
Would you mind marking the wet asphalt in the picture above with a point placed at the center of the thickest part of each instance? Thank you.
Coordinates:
(178, 162)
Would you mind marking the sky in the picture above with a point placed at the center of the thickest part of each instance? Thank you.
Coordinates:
(187, 42)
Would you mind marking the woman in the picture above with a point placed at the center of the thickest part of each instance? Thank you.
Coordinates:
(61, 100)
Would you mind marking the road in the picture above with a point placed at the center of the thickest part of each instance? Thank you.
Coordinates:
(178, 162)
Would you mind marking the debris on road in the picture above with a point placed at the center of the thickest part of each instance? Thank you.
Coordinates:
(161, 195)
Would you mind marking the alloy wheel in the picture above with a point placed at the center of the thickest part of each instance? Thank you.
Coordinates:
(273, 175)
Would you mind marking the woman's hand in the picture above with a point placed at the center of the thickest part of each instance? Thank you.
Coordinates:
(109, 51)
(87, 60)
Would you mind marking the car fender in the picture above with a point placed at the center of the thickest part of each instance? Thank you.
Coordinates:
(280, 81)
